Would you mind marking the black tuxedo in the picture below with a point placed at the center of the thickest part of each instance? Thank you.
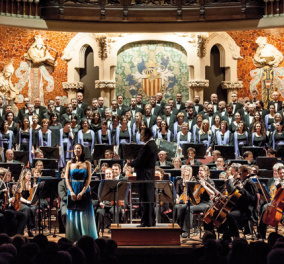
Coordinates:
(142, 106)
(194, 121)
(162, 105)
(82, 105)
(21, 113)
(124, 108)
(102, 111)
(156, 110)
(144, 165)
(65, 117)
(279, 105)
(173, 119)
(137, 110)
(246, 120)
(226, 118)
(206, 116)
(61, 109)
(199, 107)
(281, 112)
(182, 106)
(79, 113)
(118, 112)
(217, 108)
(264, 112)
(151, 122)
(238, 106)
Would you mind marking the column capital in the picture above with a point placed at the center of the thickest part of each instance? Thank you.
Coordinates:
(72, 86)
(198, 84)
(105, 84)
(232, 85)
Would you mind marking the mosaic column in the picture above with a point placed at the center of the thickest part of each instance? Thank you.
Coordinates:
(232, 87)
(107, 90)
(72, 88)
(196, 87)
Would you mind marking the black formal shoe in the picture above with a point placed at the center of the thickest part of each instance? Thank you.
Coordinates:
(142, 225)
(184, 235)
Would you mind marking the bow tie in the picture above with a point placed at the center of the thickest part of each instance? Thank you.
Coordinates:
(36, 107)
(231, 115)
(190, 118)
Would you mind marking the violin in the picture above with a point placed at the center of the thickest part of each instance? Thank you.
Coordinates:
(6, 194)
(198, 190)
(17, 195)
(273, 214)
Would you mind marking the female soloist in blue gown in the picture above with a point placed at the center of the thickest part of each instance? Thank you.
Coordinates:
(79, 223)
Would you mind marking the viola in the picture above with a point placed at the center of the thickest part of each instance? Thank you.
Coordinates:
(273, 214)
(6, 195)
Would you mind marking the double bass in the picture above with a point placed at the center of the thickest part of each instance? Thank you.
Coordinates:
(273, 214)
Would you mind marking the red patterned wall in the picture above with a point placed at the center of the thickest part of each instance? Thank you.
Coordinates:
(246, 41)
(15, 42)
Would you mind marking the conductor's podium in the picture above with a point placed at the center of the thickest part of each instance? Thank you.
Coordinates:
(131, 235)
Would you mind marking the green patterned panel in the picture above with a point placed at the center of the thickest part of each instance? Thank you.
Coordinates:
(152, 59)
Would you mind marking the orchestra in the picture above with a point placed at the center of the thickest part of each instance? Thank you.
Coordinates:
(238, 202)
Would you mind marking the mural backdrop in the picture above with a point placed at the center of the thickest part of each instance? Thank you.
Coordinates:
(149, 67)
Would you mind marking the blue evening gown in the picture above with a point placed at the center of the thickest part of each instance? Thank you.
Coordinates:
(80, 223)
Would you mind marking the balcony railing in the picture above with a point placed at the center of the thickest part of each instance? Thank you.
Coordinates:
(273, 8)
(20, 8)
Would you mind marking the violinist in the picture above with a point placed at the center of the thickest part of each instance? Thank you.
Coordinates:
(26, 206)
(278, 184)
(246, 204)
(181, 195)
(15, 221)
(201, 192)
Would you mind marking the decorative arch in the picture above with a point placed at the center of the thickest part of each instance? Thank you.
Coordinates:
(74, 54)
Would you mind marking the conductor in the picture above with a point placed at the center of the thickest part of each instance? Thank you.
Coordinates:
(144, 165)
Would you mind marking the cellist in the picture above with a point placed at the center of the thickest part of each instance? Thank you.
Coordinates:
(280, 184)
(15, 221)
(246, 204)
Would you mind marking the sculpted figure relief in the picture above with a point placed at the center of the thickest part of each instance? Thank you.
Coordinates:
(38, 53)
(7, 90)
(266, 54)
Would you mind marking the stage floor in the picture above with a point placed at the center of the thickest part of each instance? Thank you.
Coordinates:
(192, 242)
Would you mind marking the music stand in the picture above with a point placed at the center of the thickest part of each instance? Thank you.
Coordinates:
(164, 193)
(243, 162)
(214, 174)
(47, 163)
(113, 190)
(99, 151)
(219, 184)
(130, 151)
(94, 187)
(199, 148)
(48, 188)
(227, 152)
(256, 151)
(50, 172)
(195, 170)
(266, 162)
(22, 156)
(50, 152)
(15, 169)
(265, 173)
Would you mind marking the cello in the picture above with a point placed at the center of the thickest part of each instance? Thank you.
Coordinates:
(273, 214)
